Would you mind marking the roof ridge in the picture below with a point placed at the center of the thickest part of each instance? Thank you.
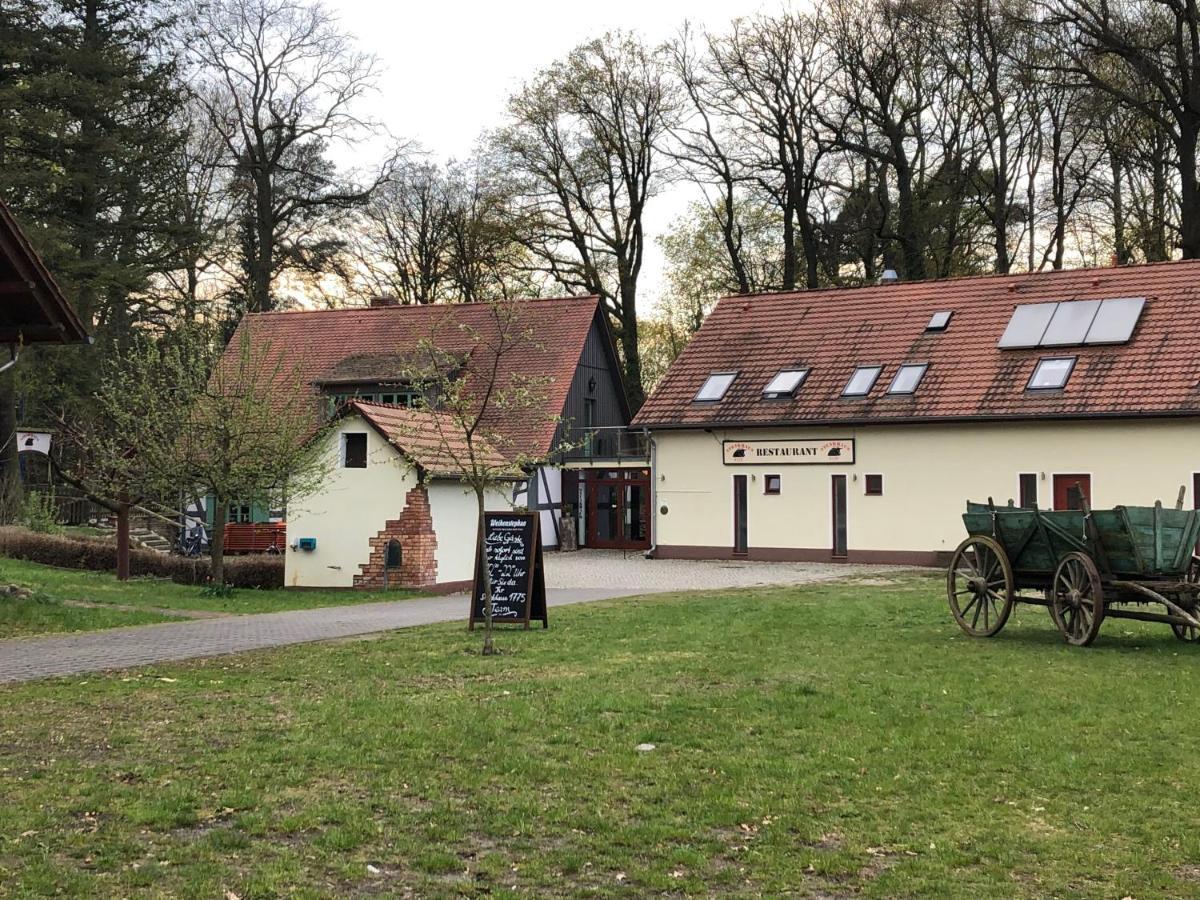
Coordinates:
(392, 308)
(957, 279)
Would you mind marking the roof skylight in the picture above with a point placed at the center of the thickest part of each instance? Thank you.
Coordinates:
(862, 381)
(939, 321)
(1051, 373)
(785, 384)
(907, 378)
(715, 386)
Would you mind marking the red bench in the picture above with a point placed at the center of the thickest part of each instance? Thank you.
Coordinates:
(258, 537)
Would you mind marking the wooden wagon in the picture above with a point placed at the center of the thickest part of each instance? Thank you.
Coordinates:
(1084, 565)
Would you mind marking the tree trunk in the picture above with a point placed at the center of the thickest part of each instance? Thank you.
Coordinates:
(488, 647)
(122, 541)
(911, 245)
(216, 572)
(629, 345)
(1189, 190)
(10, 471)
(1120, 249)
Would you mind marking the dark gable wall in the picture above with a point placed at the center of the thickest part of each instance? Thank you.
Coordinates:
(600, 363)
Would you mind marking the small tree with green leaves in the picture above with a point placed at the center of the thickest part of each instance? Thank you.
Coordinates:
(248, 434)
(469, 376)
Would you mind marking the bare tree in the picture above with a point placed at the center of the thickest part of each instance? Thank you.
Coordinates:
(1116, 47)
(281, 82)
(583, 134)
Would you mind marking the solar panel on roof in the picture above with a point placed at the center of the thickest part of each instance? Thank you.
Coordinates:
(1027, 325)
(1070, 323)
(1115, 321)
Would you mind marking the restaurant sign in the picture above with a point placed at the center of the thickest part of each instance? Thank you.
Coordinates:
(830, 452)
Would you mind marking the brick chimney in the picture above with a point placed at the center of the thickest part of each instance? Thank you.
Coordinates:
(384, 301)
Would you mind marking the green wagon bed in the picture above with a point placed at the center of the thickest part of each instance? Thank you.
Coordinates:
(1083, 564)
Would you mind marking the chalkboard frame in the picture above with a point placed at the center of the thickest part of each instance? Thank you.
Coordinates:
(535, 592)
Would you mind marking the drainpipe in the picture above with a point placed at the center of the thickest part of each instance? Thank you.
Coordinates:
(649, 554)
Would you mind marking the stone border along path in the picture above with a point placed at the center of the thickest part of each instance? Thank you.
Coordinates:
(56, 655)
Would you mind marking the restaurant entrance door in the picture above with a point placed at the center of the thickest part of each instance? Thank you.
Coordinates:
(618, 508)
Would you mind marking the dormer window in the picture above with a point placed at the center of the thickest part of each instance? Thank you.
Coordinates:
(1051, 373)
(784, 385)
(715, 386)
(862, 381)
(907, 378)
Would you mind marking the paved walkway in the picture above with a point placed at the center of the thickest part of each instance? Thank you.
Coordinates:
(27, 659)
(570, 578)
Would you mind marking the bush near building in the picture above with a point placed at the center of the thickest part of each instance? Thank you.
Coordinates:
(65, 552)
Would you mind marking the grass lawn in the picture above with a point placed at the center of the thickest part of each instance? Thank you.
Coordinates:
(826, 740)
(52, 586)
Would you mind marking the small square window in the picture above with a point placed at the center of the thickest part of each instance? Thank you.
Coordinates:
(874, 485)
(907, 378)
(354, 450)
(715, 386)
(785, 384)
(939, 321)
(862, 381)
(1051, 373)
(772, 484)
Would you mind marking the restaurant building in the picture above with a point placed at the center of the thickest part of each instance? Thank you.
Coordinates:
(853, 424)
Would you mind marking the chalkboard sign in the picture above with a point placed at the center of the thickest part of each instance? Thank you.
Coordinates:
(514, 556)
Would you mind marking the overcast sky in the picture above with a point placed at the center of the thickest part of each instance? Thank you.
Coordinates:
(448, 67)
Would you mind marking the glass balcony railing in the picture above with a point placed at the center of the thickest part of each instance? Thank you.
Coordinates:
(610, 444)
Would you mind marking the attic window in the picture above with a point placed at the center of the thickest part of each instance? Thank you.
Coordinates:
(939, 321)
(907, 378)
(862, 381)
(784, 385)
(354, 450)
(715, 386)
(1051, 373)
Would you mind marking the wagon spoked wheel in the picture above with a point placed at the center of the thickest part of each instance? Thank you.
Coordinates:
(979, 586)
(1077, 599)
(1189, 634)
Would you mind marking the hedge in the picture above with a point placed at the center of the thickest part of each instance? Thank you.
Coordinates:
(257, 571)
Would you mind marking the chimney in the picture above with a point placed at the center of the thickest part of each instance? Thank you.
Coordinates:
(384, 301)
(889, 276)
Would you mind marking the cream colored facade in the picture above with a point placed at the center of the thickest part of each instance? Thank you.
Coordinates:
(351, 506)
(929, 472)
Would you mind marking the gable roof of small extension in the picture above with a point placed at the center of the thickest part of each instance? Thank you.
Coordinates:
(365, 344)
(429, 439)
(32, 306)
(1157, 373)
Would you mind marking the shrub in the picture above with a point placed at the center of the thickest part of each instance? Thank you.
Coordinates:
(257, 571)
(39, 513)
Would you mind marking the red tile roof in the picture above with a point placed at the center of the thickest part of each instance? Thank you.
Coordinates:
(313, 347)
(833, 331)
(430, 439)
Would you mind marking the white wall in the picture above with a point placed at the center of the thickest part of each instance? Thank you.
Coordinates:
(455, 520)
(348, 509)
(929, 472)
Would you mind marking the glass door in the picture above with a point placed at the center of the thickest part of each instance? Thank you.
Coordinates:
(839, 516)
(740, 543)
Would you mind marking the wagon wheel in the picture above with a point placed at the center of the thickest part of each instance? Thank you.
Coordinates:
(1189, 633)
(1076, 599)
(979, 586)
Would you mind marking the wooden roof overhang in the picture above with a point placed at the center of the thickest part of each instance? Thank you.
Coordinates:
(33, 309)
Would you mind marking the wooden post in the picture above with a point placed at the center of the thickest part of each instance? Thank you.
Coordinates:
(123, 541)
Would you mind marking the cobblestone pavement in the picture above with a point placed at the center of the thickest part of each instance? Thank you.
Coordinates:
(570, 578)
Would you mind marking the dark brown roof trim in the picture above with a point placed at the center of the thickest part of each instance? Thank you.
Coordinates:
(915, 420)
